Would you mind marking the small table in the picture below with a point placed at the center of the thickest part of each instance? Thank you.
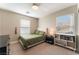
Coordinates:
(49, 39)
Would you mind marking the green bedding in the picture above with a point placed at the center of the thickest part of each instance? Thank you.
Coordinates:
(30, 36)
(30, 39)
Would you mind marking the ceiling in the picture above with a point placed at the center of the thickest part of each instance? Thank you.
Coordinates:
(26, 8)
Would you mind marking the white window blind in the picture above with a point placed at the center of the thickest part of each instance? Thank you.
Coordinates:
(65, 24)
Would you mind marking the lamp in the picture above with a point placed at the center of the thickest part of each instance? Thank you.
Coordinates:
(35, 6)
(52, 31)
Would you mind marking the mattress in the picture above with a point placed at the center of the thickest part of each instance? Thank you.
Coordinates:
(28, 40)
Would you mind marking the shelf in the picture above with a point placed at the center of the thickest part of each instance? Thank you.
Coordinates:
(62, 39)
(66, 46)
(70, 41)
(66, 34)
(60, 44)
(56, 38)
(66, 40)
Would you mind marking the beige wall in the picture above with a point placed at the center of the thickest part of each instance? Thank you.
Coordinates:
(10, 20)
(49, 21)
(46, 22)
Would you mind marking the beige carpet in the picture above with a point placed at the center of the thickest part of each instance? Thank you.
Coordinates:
(41, 49)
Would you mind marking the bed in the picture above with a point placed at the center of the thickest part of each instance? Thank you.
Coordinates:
(31, 39)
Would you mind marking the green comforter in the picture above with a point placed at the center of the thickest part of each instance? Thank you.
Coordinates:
(30, 39)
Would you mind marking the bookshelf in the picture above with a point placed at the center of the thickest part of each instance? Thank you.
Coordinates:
(66, 40)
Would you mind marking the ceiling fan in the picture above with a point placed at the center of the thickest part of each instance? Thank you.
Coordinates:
(35, 6)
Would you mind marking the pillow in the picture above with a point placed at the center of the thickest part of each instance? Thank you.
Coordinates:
(34, 32)
(37, 32)
(41, 33)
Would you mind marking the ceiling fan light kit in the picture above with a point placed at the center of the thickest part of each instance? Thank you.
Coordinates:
(35, 6)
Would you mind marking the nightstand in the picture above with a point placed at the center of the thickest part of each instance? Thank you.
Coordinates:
(49, 39)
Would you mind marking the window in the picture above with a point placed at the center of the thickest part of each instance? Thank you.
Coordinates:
(24, 26)
(65, 24)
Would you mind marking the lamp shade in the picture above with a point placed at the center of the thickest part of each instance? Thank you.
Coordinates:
(51, 31)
